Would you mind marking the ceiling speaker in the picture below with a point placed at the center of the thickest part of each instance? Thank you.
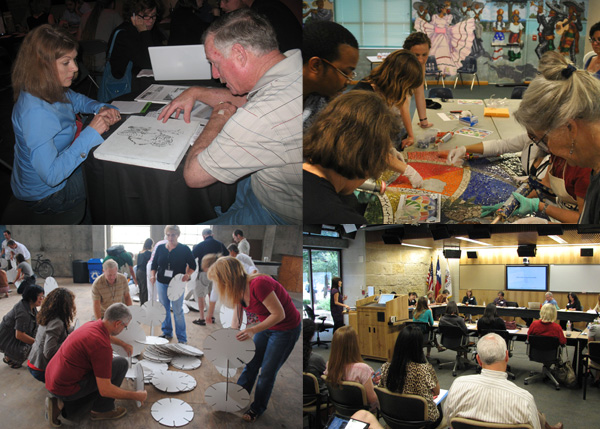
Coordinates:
(439, 232)
(472, 255)
(587, 251)
(391, 239)
(452, 253)
(526, 250)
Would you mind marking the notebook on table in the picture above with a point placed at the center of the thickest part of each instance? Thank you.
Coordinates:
(186, 62)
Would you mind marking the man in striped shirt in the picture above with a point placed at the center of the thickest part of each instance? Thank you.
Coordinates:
(490, 397)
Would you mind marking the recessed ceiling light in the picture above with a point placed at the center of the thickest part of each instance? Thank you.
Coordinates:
(473, 241)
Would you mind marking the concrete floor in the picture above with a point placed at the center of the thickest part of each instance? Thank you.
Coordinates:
(22, 397)
(566, 405)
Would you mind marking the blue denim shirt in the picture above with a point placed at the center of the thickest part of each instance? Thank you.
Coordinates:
(44, 155)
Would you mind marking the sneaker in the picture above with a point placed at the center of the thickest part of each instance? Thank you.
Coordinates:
(52, 412)
(117, 413)
(213, 319)
(200, 322)
(165, 336)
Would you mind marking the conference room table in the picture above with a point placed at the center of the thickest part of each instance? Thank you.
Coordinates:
(128, 194)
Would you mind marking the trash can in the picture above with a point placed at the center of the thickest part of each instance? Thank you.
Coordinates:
(80, 271)
(94, 268)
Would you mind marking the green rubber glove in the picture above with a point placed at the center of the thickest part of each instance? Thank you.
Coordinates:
(526, 205)
(488, 210)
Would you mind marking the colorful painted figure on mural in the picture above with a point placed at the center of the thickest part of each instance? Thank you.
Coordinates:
(422, 11)
(450, 44)
(499, 39)
(570, 28)
(475, 13)
(514, 40)
(547, 26)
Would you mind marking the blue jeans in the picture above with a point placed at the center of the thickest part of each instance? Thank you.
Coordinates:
(246, 210)
(167, 327)
(272, 350)
(38, 375)
(68, 198)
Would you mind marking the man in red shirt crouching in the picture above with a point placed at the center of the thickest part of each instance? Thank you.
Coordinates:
(83, 370)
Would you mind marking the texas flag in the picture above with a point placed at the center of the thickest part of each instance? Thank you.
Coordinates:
(438, 278)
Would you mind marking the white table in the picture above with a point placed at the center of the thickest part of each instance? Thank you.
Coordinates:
(508, 127)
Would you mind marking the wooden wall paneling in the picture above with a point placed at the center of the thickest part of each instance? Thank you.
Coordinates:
(290, 273)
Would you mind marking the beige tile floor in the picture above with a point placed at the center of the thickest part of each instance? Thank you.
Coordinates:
(22, 397)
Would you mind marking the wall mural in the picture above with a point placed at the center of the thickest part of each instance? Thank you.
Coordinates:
(505, 38)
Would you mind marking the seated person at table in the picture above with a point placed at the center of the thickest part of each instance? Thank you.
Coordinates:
(550, 300)
(412, 299)
(597, 306)
(423, 314)
(72, 15)
(451, 318)
(312, 362)
(137, 34)
(50, 143)
(258, 146)
(40, 14)
(593, 63)
(546, 326)
(490, 320)
(329, 56)
(394, 81)
(347, 144)
(470, 396)
(572, 305)
(430, 297)
(410, 373)
(500, 301)
(84, 370)
(442, 298)
(469, 298)
(346, 364)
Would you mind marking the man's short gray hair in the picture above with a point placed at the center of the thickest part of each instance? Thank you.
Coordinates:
(491, 348)
(206, 232)
(117, 311)
(110, 264)
(246, 27)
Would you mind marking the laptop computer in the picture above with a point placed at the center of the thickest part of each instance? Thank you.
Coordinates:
(533, 305)
(186, 62)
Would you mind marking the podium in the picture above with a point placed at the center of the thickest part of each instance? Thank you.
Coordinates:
(376, 332)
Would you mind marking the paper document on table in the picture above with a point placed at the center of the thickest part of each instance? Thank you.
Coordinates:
(128, 107)
(201, 112)
(512, 331)
(439, 398)
(145, 73)
(146, 142)
(162, 94)
(473, 132)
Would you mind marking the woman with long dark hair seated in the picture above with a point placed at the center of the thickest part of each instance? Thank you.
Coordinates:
(410, 373)
(490, 320)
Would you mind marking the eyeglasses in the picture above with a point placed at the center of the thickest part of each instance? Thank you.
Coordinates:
(592, 40)
(148, 17)
(349, 78)
(541, 143)
(124, 325)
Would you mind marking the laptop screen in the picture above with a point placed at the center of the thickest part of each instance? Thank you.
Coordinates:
(186, 62)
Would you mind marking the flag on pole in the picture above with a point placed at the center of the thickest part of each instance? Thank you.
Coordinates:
(448, 284)
(430, 281)
(438, 278)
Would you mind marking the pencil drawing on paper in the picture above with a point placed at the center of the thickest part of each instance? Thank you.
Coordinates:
(149, 136)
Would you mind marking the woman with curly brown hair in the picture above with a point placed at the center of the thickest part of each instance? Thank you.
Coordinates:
(55, 316)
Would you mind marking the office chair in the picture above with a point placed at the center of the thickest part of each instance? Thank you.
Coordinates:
(440, 93)
(454, 339)
(591, 360)
(348, 397)
(402, 411)
(508, 338)
(517, 92)
(545, 350)
(312, 403)
(462, 423)
(320, 327)
(428, 335)
(431, 69)
(469, 67)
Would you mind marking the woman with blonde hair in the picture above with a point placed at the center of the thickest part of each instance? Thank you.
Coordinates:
(170, 259)
(546, 324)
(346, 364)
(570, 125)
(395, 80)
(54, 324)
(275, 335)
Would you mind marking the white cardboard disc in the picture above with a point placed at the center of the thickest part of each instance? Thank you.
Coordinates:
(153, 340)
(173, 381)
(186, 349)
(49, 285)
(187, 363)
(139, 380)
(224, 373)
(138, 314)
(229, 397)
(3, 264)
(221, 346)
(226, 316)
(172, 412)
(155, 313)
(133, 289)
(176, 287)
(152, 367)
(134, 335)
(76, 325)
(192, 305)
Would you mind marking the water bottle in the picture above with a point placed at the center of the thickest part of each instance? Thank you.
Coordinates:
(569, 326)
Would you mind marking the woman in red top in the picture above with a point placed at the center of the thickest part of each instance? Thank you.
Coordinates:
(274, 336)
(546, 326)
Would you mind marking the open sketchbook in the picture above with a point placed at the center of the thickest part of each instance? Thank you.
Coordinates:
(147, 142)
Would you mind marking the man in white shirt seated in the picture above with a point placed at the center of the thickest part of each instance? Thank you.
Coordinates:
(14, 248)
(244, 259)
(470, 396)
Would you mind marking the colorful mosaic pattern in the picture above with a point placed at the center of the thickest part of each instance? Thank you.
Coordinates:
(482, 181)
